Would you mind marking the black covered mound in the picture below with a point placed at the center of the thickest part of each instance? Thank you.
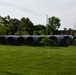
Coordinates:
(56, 40)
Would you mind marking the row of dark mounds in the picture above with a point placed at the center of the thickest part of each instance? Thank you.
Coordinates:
(34, 40)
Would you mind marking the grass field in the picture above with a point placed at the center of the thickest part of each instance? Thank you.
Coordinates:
(26, 60)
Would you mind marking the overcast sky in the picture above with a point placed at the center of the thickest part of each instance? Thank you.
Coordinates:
(36, 10)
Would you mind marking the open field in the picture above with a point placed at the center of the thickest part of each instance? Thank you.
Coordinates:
(28, 60)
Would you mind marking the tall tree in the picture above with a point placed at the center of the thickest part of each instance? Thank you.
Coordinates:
(39, 29)
(70, 31)
(26, 26)
(5, 20)
(2, 30)
(15, 23)
(53, 24)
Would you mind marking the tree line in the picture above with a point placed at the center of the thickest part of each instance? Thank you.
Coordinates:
(24, 26)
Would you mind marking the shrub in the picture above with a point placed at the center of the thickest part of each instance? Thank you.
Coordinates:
(45, 41)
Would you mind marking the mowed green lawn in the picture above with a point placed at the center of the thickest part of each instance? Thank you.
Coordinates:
(26, 60)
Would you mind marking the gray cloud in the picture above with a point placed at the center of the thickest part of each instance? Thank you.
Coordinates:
(2, 3)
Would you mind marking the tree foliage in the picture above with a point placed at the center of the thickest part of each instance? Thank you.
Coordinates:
(14, 26)
(70, 31)
(24, 26)
(2, 30)
(39, 29)
(53, 24)
(45, 41)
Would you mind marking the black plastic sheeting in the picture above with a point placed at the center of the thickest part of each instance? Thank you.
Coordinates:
(66, 40)
(27, 39)
(12, 40)
(20, 41)
(3, 39)
(55, 40)
(34, 40)
(74, 40)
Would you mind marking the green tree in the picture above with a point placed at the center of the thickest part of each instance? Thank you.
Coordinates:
(53, 24)
(5, 20)
(10, 24)
(70, 31)
(39, 29)
(45, 41)
(15, 23)
(26, 25)
(10, 29)
(2, 30)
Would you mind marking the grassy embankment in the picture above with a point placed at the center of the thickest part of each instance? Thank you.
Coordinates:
(26, 60)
